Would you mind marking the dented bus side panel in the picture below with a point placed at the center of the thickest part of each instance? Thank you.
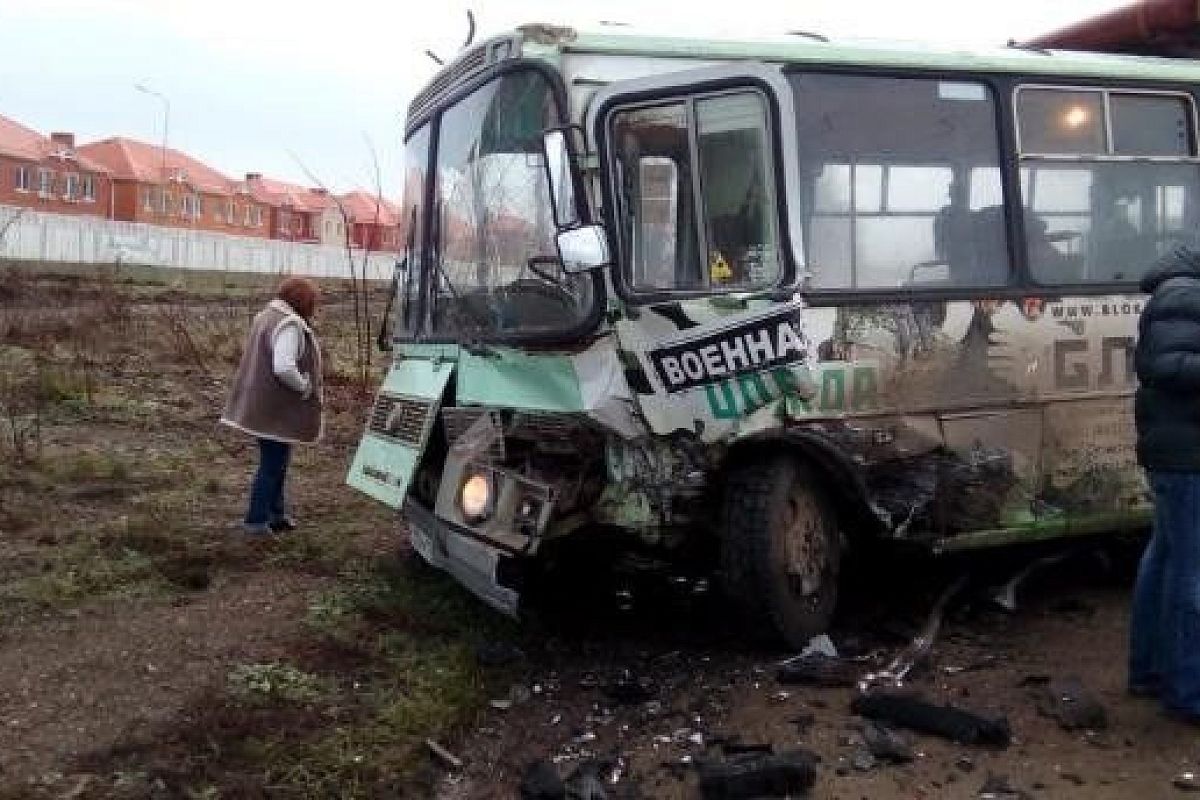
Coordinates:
(969, 422)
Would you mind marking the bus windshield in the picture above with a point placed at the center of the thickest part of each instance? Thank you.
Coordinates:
(495, 269)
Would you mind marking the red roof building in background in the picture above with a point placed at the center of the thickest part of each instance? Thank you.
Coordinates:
(162, 186)
(132, 181)
(298, 213)
(374, 223)
(47, 173)
(1150, 27)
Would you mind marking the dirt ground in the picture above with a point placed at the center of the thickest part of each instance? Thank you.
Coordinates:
(147, 649)
(1072, 621)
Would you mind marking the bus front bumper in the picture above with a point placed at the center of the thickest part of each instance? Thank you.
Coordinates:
(484, 569)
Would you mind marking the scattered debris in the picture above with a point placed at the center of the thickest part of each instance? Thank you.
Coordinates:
(987, 661)
(541, 782)
(1072, 777)
(915, 712)
(586, 782)
(1187, 782)
(444, 755)
(1006, 595)
(918, 649)
(1072, 704)
(820, 645)
(820, 670)
(885, 744)
(997, 787)
(803, 722)
(732, 747)
(757, 774)
(628, 690)
(679, 768)
(862, 760)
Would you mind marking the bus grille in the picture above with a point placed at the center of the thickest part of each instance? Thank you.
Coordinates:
(552, 432)
(401, 418)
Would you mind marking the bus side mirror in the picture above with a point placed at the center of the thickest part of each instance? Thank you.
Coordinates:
(580, 247)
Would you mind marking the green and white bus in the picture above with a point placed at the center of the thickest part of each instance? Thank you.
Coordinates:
(772, 299)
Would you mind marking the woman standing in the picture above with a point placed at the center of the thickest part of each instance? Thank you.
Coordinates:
(276, 397)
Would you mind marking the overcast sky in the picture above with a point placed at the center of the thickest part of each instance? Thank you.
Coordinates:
(265, 86)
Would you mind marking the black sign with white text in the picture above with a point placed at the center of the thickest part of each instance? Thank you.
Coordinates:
(752, 345)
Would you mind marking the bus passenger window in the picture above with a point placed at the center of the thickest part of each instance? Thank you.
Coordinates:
(900, 183)
(738, 204)
(1103, 207)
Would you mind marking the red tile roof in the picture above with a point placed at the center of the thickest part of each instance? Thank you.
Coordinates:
(18, 141)
(288, 195)
(130, 159)
(366, 209)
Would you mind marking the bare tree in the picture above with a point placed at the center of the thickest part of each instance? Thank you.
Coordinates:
(360, 287)
(12, 220)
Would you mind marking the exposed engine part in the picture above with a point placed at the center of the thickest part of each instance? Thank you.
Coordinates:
(562, 451)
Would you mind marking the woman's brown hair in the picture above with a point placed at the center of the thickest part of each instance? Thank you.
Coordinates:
(301, 294)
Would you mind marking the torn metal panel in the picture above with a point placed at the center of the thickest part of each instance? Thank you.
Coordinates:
(592, 382)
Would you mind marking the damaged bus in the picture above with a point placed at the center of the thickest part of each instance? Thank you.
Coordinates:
(770, 300)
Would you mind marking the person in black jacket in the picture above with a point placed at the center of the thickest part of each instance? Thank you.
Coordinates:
(1165, 625)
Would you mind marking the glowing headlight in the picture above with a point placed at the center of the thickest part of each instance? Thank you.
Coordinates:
(475, 498)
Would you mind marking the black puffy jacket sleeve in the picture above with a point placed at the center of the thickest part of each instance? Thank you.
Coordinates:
(1168, 351)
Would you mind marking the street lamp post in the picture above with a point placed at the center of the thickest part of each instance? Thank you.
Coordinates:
(166, 123)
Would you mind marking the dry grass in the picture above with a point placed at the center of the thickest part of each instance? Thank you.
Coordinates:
(117, 486)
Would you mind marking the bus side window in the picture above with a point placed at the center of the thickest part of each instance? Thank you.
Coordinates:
(657, 221)
(696, 194)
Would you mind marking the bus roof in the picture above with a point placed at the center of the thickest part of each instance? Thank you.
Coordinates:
(809, 48)
(550, 42)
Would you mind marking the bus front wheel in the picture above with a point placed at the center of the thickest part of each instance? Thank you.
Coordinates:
(780, 548)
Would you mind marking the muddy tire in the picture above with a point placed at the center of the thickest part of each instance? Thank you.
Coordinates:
(780, 549)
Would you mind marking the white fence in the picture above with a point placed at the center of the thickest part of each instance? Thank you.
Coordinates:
(27, 235)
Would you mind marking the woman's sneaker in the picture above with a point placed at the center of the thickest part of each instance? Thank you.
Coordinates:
(282, 525)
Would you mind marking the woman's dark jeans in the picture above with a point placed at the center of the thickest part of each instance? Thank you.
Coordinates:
(266, 493)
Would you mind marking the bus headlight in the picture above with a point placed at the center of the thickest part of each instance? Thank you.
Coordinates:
(476, 497)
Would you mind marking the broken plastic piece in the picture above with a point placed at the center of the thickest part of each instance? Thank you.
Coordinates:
(886, 744)
(1006, 595)
(1187, 782)
(919, 647)
(758, 775)
(918, 714)
(817, 669)
(448, 758)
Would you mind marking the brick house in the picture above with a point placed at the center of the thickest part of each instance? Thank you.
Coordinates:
(49, 174)
(165, 187)
(298, 213)
(374, 224)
